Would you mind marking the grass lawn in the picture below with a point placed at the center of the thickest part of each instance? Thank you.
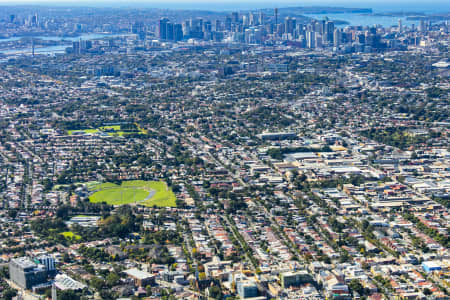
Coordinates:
(70, 132)
(70, 235)
(163, 196)
(110, 130)
(135, 191)
(115, 127)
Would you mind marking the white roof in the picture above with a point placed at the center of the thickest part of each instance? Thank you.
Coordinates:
(136, 273)
(64, 282)
(303, 155)
(432, 264)
(441, 64)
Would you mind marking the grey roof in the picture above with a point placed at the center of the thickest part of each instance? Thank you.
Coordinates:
(24, 262)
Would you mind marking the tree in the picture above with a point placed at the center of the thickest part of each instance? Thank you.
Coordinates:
(215, 292)
(97, 283)
(356, 286)
(62, 212)
(12, 213)
(66, 257)
(68, 295)
(9, 294)
(148, 289)
(112, 279)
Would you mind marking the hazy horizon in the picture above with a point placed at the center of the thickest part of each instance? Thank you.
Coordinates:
(400, 5)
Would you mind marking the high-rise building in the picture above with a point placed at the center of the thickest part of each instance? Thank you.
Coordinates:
(207, 26)
(275, 11)
(33, 20)
(235, 17)
(261, 18)
(195, 28)
(245, 21)
(228, 23)
(162, 31)
(318, 26)
(400, 26)
(422, 26)
(310, 39)
(217, 25)
(252, 19)
(289, 25)
(329, 30)
(319, 41)
(25, 273)
(76, 46)
(48, 262)
(361, 38)
(169, 31)
(137, 27)
(337, 38)
(280, 29)
(246, 289)
(322, 25)
(177, 32)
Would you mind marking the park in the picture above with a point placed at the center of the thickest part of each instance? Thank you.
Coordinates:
(136, 192)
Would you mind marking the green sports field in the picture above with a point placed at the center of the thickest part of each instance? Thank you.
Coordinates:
(111, 130)
(147, 193)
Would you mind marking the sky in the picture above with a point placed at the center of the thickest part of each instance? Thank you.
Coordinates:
(380, 5)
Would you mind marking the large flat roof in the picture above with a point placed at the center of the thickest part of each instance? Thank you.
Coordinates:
(24, 262)
(303, 155)
(138, 274)
(64, 282)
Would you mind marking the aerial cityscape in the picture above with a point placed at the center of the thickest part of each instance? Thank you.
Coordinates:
(275, 152)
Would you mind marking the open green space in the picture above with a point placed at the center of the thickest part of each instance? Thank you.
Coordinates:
(111, 130)
(147, 193)
(70, 235)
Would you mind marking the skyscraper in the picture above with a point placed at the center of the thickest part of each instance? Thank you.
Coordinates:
(137, 27)
(276, 16)
(163, 28)
(228, 23)
(177, 32)
(218, 25)
(261, 18)
(337, 37)
(169, 31)
(289, 25)
(245, 21)
(252, 19)
(310, 39)
(235, 17)
(329, 30)
(422, 25)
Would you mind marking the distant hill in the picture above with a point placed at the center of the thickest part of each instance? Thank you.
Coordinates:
(325, 10)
